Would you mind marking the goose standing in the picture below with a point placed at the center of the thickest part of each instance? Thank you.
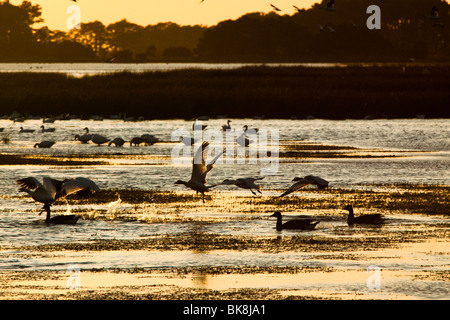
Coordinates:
(22, 130)
(296, 224)
(227, 126)
(86, 137)
(43, 129)
(200, 170)
(149, 139)
(117, 141)
(44, 144)
(136, 141)
(99, 139)
(245, 183)
(51, 190)
(303, 182)
(374, 219)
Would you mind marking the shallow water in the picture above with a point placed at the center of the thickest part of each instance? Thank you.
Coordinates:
(421, 150)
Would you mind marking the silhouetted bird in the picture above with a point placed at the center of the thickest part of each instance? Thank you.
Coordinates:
(330, 6)
(200, 170)
(363, 219)
(275, 8)
(227, 126)
(298, 9)
(51, 190)
(244, 183)
(303, 182)
(44, 144)
(296, 224)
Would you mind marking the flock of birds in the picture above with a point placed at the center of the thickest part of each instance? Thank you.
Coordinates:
(50, 190)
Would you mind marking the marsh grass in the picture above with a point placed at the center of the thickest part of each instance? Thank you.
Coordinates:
(9, 159)
(273, 92)
(402, 198)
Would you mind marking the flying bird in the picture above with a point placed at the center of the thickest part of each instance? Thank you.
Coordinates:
(303, 182)
(275, 8)
(296, 224)
(244, 183)
(200, 170)
(51, 190)
(330, 6)
(298, 9)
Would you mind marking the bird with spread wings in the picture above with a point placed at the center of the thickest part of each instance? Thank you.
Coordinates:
(200, 169)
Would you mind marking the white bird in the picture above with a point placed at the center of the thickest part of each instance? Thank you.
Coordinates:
(49, 120)
(245, 127)
(330, 29)
(99, 139)
(196, 126)
(188, 141)
(227, 126)
(117, 141)
(200, 170)
(51, 190)
(44, 144)
(43, 129)
(275, 8)
(303, 182)
(244, 183)
(22, 130)
(243, 141)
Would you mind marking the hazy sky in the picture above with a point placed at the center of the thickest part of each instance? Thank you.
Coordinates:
(145, 12)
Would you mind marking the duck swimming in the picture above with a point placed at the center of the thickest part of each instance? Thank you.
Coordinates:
(374, 219)
(296, 224)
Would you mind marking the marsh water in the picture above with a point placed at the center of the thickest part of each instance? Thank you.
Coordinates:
(413, 151)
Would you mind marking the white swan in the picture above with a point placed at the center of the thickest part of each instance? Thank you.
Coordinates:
(303, 182)
(244, 183)
(44, 144)
(51, 190)
(200, 170)
(196, 126)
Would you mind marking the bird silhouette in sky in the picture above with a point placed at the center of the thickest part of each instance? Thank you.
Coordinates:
(298, 9)
(275, 8)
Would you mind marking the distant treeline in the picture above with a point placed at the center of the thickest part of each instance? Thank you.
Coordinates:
(268, 92)
(408, 30)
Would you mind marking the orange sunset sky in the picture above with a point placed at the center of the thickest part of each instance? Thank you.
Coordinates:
(145, 12)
